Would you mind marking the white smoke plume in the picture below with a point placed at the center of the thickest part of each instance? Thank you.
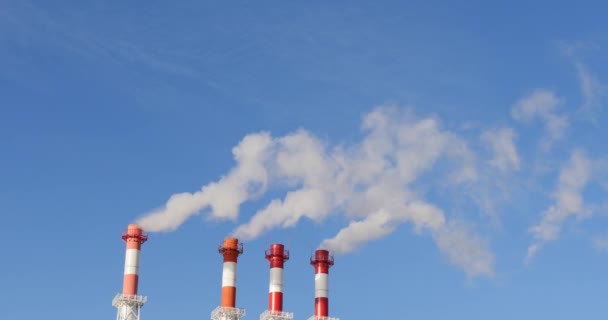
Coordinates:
(248, 179)
(369, 183)
(573, 178)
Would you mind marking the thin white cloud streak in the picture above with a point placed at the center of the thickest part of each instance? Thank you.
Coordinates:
(541, 104)
(502, 143)
(497, 174)
(30, 25)
(600, 243)
(591, 89)
(369, 183)
(569, 201)
(464, 249)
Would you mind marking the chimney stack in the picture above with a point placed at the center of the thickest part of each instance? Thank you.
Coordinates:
(276, 255)
(321, 261)
(128, 303)
(230, 250)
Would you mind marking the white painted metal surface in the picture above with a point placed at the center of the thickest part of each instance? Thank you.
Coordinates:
(132, 261)
(229, 274)
(276, 280)
(321, 285)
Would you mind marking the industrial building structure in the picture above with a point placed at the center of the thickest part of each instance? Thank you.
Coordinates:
(129, 303)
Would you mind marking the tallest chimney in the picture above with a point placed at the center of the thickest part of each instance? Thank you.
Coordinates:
(128, 302)
(134, 238)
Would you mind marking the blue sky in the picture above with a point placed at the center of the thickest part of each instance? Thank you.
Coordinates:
(450, 154)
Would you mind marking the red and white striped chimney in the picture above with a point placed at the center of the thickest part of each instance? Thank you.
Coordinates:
(134, 237)
(129, 303)
(231, 249)
(321, 261)
(276, 255)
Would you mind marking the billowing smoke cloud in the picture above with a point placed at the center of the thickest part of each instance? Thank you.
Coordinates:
(369, 183)
(247, 180)
(573, 178)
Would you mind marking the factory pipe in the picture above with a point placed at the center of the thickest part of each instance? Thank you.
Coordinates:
(230, 249)
(321, 261)
(134, 238)
(276, 255)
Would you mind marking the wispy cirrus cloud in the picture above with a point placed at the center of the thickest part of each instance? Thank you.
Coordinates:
(600, 242)
(502, 143)
(29, 25)
(573, 178)
(592, 90)
(542, 104)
